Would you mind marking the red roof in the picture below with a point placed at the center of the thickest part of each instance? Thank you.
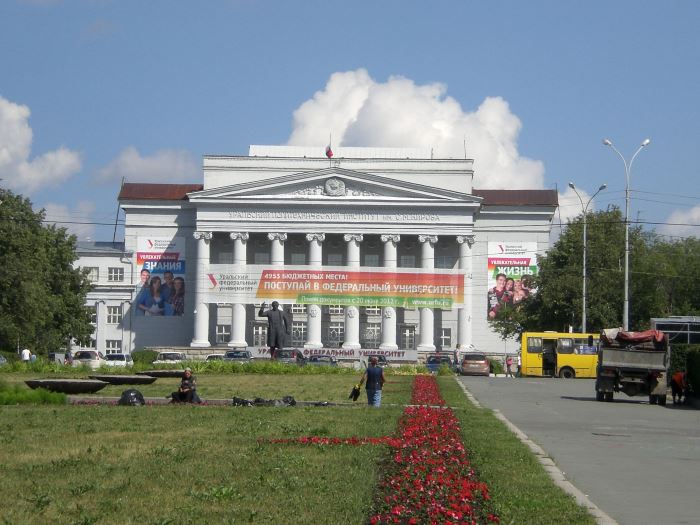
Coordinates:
(518, 197)
(168, 192)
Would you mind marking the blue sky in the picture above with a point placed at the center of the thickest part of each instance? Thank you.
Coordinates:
(91, 91)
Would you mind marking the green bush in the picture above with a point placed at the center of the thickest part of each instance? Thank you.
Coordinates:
(445, 370)
(17, 395)
(497, 366)
(144, 357)
(693, 370)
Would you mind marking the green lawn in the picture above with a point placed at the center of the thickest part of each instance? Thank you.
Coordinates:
(189, 464)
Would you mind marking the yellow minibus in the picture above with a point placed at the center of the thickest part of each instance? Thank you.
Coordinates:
(558, 354)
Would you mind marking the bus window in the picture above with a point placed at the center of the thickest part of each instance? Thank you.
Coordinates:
(565, 346)
(534, 345)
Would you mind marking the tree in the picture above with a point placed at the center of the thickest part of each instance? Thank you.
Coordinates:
(663, 279)
(42, 296)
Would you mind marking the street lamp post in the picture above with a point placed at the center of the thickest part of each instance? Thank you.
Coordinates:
(628, 168)
(584, 210)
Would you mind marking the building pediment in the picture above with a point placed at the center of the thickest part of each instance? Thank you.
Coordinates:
(329, 185)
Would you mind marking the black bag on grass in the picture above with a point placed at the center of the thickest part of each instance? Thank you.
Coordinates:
(354, 393)
(132, 397)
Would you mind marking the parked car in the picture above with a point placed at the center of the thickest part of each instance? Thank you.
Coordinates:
(435, 361)
(322, 360)
(475, 364)
(381, 359)
(169, 358)
(240, 356)
(119, 360)
(214, 357)
(91, 358)
(290, 356)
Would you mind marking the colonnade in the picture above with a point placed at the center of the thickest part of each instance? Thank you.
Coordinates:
(352, 315)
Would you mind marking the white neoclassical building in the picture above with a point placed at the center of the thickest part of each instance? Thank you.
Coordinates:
(376, 249)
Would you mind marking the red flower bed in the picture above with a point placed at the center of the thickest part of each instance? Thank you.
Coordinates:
(431, 480)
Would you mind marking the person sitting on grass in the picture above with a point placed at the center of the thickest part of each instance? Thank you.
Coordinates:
(187, 392)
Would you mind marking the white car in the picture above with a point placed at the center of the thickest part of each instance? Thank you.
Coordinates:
(169, 358)
(91, 358)
(119, 360)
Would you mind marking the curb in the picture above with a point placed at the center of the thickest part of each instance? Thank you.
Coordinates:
(550, 467)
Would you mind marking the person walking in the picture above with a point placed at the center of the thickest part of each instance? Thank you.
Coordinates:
(374, 377)
(509, 366)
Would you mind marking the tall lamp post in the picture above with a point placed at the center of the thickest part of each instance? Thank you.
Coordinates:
(584, 210)
(628, 168)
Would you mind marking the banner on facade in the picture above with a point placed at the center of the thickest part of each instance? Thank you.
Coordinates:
(405, 287)
(160, 262)
(511, 266)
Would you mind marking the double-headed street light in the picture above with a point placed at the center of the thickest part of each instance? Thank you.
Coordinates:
(584, 210)
(628, 168)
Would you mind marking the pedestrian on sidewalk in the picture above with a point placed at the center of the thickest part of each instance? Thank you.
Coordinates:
(509, 365)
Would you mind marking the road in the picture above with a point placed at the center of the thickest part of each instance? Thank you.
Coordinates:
(639, 463)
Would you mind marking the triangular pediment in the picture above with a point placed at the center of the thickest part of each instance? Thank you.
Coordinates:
(331, 184)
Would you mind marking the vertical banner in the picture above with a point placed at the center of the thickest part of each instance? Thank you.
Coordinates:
(160, 263)
(511, 266)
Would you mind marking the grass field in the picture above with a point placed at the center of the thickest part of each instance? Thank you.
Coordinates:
(190, 464)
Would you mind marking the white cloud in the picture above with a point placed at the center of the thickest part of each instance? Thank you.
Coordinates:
(680, 223)
(19, 171)
(76, 221)
(164, 166)
(398, 113)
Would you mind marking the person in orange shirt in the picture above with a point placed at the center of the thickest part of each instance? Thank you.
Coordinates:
(679, 387)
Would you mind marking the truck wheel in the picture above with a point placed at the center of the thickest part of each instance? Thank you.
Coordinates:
(567, 373)
(652, 399)
(599, 396)
(608, 397)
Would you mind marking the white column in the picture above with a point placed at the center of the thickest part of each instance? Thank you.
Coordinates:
(101, 318)
(352, 313)
(238, 318)
(201, 307)
(277, 248)
(389, 312)
(313, 312)
(427, 320)
(464, 314)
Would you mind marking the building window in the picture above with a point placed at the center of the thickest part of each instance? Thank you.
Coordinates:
(298, 258)
(335, 259)
(115, 275)
(336, 334)
(90, 344)
(92, 310)
(407, 341)
(407, 261)
(371, 259)
(298, 308)
(373, 310)
(445, 261)
(260, 335)
(335, 309)
(223, 333)
(93, 273)
(371, 335)
(114, 314)
(445, 338)
(113, 346)
(298, 333)
(261, 258)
